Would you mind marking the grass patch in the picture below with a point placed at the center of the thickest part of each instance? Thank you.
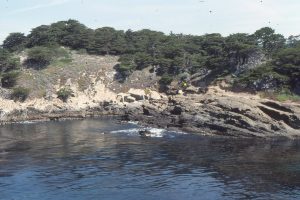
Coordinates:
(282, 96)
(287, 97)
(63, 62)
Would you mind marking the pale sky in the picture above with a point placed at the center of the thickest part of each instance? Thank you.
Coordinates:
(178, 16)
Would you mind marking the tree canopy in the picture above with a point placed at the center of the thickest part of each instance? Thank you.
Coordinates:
(15, 42)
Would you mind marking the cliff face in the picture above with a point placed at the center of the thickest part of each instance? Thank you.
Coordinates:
(98, 92)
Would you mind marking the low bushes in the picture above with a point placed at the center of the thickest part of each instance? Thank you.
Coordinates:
(20, 94)
(39, 56)
(64, 94)
(9, 79)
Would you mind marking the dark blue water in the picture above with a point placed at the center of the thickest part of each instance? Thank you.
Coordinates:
(76, 160)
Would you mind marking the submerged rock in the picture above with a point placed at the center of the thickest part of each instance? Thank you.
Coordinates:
(145, 133)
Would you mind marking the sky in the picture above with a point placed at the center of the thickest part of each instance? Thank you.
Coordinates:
(179, 16)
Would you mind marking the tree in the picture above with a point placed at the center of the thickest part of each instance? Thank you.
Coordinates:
(213, 44)
(287, 62)
(72, 34)
(150, 41)
(293, 41)
(172, 48)
(129, 39)
(142, 60)
(107, 41)
(268, 40)
(40, 36)
(288, 56)
(240, 47)
(14, 42)
(193, 44)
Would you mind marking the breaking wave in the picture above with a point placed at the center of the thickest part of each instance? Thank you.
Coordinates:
(152, 132)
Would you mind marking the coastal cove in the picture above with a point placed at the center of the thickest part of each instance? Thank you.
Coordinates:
(149, 100)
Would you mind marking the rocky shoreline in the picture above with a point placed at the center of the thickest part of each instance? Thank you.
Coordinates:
(212, 113)
(222, 116)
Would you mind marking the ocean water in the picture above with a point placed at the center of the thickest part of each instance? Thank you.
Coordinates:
(104, 159)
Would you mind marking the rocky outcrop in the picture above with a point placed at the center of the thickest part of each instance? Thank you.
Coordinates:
(138, 94)
(222, 115)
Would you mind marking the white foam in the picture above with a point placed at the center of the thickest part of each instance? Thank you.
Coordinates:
(26, 122)
(133, 122)
(154, 132)
(128, 131)
(180, 132)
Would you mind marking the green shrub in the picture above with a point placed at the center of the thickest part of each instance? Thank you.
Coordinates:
(7, 61)
(42, 55)
(64, 93)
(166, 79)
(9, 79)
(39, 57)
(20, 94)
(124, 70)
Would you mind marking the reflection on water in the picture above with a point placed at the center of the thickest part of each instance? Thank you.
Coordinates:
(76, 160)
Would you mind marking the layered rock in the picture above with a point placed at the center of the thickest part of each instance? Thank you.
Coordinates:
(222, 115)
